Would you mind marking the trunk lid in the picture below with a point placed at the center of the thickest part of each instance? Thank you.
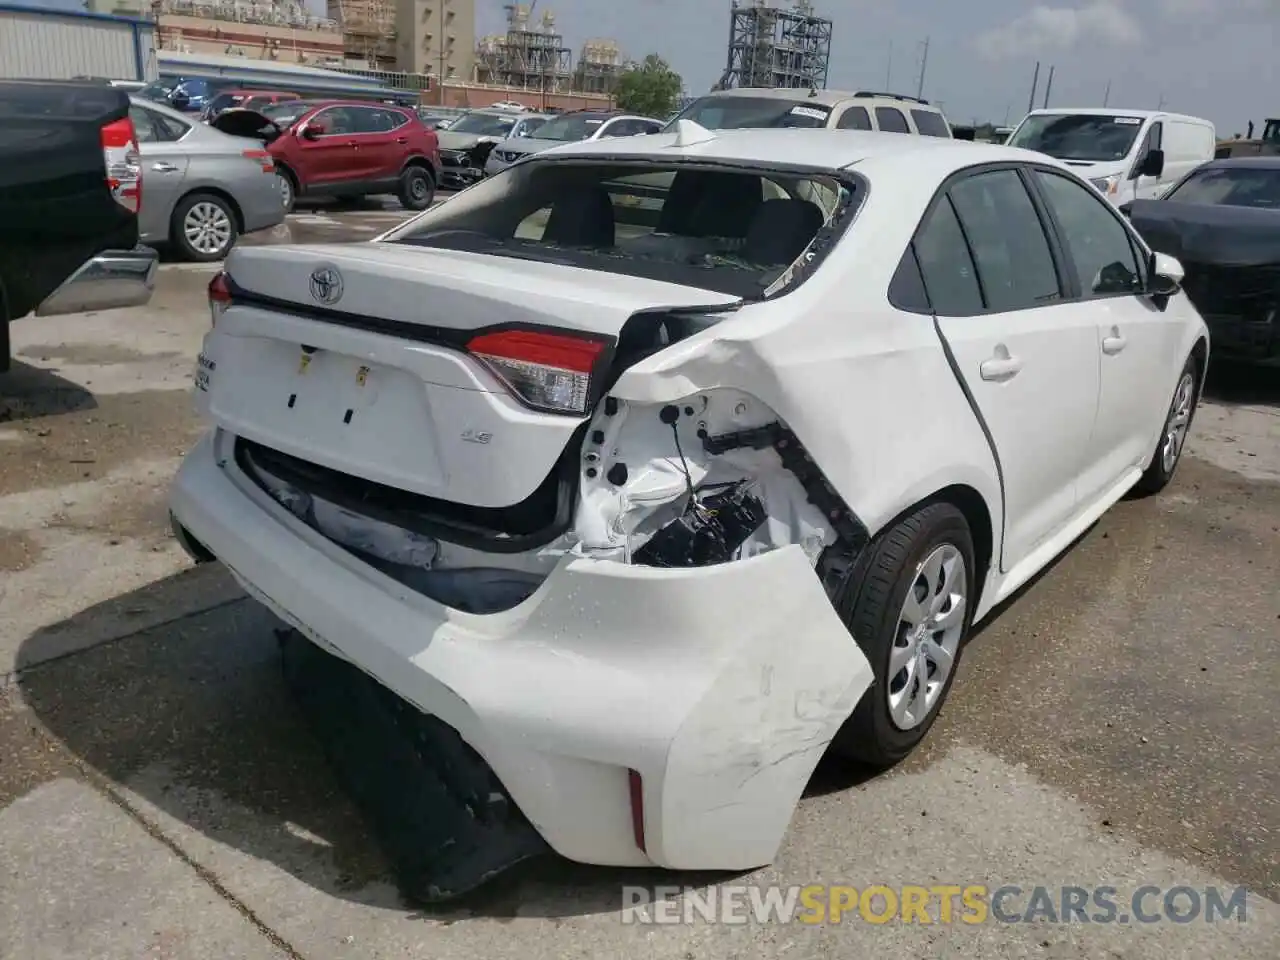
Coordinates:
(365, 370)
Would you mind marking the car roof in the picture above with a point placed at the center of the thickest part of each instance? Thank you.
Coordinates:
(822, 97)
(1248, 163)
(818, 148)
(1114, 112)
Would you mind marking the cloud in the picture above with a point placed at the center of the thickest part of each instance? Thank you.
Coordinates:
(1193, 9)
(1043, 29)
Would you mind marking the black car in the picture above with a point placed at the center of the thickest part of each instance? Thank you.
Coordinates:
(1222, 221)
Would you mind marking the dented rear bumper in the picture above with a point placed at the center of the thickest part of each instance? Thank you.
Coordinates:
(720, 687)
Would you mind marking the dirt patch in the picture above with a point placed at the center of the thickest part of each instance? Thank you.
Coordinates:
(17, 551)
(30, 756)
(91, 353)
(89, 444)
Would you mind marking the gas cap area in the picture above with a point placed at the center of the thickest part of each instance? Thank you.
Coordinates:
(691, 483)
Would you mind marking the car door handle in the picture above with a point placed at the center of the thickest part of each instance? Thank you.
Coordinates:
(1113, 344)
(1001, 367)
(162, 167)
(402, 139)
(353, 143)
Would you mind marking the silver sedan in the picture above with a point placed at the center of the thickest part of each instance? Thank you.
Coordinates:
(201, 188)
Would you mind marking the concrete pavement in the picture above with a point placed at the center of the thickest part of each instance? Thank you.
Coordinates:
(159, 796)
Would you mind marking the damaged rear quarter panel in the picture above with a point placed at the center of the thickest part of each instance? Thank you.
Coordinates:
(866, 388)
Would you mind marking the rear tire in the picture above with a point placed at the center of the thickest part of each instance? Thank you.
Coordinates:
(417, 189)
(908, 603)
(288, 189)
(1173, 436)
(203, 227)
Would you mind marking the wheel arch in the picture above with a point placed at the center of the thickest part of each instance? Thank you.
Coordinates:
(213, 191)
(418, 160)
(288, 171)
(981, 518)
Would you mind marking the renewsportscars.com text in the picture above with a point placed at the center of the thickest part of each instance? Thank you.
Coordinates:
(933, 904)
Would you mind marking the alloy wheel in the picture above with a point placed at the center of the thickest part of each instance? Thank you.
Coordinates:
(207, 228)
(1175, 431)
(930, 628)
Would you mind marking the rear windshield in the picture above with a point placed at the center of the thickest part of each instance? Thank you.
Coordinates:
(284, 114)
(930, 124)
(224, 100)
(1231, 187)
(730, 113)
(1078, 136)
(734, 231)
(483, 124)
(569, 129)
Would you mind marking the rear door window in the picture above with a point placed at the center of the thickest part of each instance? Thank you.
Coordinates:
(854, 118)
(1005, 233)
(891, 121)
(930, 124)
(946, 264)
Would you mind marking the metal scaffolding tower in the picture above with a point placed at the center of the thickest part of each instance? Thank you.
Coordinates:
(771, 47)
(532, 57)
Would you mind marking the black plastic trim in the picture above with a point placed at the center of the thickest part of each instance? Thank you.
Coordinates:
(470, 535)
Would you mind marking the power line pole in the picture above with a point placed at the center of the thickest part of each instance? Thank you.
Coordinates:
(1106, 96)
(1035, 83)
(1161, 107)
(924, 65)
(888, 71)
(1048, 86)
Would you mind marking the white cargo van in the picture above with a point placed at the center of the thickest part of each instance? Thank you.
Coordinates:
(1128, 154)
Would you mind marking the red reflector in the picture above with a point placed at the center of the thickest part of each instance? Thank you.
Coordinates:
(565, 352)
(219, 291)
(637, 807)
(257, 154)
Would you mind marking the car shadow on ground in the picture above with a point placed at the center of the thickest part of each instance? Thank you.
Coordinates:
(1242, 384)
(29, 393)
(190, 722)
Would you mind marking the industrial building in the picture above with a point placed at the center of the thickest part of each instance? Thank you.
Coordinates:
(280, 30)
(528, 56)
(368, 31)
(772, 47)
(436, 37)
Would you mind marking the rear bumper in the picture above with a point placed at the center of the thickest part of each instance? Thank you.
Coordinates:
(720, 686)
(106, 281)
(261, 205)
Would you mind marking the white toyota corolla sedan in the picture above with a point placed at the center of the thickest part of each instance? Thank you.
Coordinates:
(654, 468)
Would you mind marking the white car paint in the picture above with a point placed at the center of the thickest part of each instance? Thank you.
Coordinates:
(1185, 141)
(720, 686)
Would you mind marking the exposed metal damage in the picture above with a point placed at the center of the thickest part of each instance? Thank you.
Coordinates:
(712, 479)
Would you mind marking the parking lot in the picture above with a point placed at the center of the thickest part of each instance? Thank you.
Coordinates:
(159, 795)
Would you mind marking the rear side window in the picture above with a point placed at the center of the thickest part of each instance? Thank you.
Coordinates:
(891, 121)
(947, 265)
(734, 231)
(855, 118)
(930, 124)
(1010, 249)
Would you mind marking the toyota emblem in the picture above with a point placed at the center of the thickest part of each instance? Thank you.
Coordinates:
(326, 285)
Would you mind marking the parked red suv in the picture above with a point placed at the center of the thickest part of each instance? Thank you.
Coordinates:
(344, 148)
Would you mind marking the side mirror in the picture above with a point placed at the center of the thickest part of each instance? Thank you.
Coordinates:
(179, 101)
(1152, 164)
(1126, 208)
(1166, 275)
(313, 130)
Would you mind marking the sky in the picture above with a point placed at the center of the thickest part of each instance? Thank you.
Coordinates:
(1210, 58)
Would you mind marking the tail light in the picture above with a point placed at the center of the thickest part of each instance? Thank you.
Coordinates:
(546, 371)
(123, 162)
(262, 158)
(219, 297)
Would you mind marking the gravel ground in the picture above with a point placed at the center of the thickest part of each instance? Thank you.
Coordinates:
(159, 796)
